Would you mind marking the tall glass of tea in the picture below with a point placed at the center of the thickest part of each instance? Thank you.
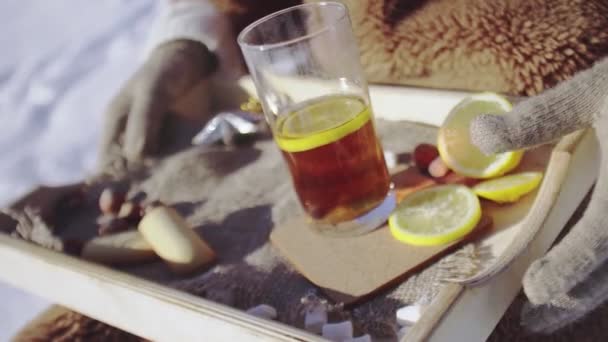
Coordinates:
(304, 62)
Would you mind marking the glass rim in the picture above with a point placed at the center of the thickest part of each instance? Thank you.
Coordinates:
(262, 47)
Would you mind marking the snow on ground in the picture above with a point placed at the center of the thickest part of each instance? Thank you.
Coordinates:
(61, 62)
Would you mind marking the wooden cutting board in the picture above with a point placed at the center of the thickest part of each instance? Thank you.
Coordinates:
(349, 269)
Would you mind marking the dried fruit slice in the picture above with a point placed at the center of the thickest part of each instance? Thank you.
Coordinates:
(322, 122)
(424, 154)
(510, 188)
(436, 216)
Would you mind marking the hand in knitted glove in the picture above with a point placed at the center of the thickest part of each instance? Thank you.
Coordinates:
(571, 279)
(135, 117)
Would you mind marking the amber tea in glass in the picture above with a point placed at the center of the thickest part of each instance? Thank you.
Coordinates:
(305, 65)
(336, 162)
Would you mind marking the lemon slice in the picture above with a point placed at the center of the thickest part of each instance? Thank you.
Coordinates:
(454, 144)
(321, 122)
(436, 216)
(510, 188)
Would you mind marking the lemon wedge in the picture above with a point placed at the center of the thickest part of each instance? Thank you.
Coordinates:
(320, 122)
(436, 216)
(454, 143)
(510, 188)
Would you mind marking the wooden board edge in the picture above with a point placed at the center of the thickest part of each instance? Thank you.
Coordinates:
(480, 308)
(434, 313)
(543, 203)
(572, 140)
(556, 171)
(130, 303)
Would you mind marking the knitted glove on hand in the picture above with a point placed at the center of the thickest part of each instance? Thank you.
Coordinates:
(570, 279)
(135, 116)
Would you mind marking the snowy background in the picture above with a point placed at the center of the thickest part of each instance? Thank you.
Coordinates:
(61, 62)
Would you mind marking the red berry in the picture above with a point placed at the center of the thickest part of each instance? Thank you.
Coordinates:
(424, 154)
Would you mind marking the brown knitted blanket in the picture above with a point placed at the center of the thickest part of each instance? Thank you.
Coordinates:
(513, 46)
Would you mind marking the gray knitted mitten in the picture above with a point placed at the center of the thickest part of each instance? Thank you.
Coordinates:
(562, 285)
(136, 115)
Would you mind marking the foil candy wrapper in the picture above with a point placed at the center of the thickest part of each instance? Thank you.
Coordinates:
(228, 127)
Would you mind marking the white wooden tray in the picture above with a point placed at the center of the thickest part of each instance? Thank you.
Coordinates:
(160, 313)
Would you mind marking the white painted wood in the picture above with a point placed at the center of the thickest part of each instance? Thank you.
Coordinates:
(163, 314)
(427, 106)
(476, 312)
(132, 304)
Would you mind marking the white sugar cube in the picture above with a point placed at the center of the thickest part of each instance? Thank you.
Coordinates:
(338, 332)
(263, 311)
(315, 318)
(409, 315)
(390, 158)
(362, 338)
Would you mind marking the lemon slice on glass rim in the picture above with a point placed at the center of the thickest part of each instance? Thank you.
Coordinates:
(436, 216)
(509, 188)
(321, 122)
(454, 143)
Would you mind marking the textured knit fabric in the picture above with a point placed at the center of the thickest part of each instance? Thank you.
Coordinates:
(513, 46)
(137, 114)
(571, 279)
